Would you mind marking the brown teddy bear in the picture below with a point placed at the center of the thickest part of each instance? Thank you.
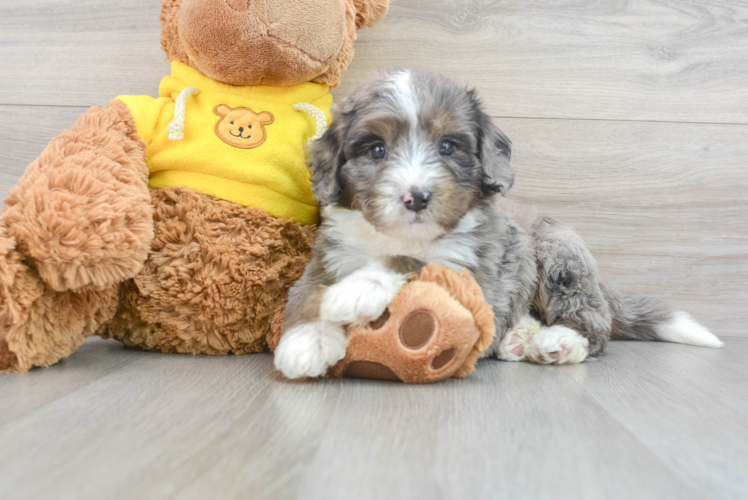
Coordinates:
(178, 223)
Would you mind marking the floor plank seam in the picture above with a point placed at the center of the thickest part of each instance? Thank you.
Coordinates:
(677, 472)
(195, 477)
(17, 105)
(298, 495)
(64, 396)
(618, 120)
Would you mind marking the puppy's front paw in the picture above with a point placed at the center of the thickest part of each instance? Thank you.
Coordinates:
(557, 345)
(514, 344)
(362, 296)
(309, 350)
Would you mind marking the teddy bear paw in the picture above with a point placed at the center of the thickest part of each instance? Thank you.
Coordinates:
(414, 335)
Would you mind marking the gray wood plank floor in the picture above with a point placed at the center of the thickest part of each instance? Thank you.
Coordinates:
(645, 420)
(629, 121)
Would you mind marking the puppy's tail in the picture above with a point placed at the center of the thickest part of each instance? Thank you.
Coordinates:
(644, 318)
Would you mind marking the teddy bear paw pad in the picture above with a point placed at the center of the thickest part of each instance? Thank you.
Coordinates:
(417, 329)
(380, 321)
(443, 358)
(371, 370)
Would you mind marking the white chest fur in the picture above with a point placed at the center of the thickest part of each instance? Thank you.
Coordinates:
(357, 243)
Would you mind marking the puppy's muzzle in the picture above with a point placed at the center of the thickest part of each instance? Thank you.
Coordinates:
(417, 200)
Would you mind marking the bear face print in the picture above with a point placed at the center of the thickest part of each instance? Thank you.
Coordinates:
(241, 127)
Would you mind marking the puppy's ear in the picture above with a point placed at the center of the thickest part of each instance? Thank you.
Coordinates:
(326, 156)
(494, 151)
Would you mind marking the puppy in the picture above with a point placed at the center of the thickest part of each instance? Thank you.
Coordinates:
(413, 171)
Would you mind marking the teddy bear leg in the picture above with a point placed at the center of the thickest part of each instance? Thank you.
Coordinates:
(81, 214)
(38, 325)
(216, 280)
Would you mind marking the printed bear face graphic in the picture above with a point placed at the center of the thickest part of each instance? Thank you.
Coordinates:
(241, 127)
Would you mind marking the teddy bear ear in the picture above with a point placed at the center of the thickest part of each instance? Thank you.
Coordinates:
(266, 118)
(370, 12)
(170, 41)
(221, 110)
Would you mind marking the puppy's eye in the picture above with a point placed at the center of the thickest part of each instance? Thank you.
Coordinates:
(446, 148)
(232, 123)
(378, 152)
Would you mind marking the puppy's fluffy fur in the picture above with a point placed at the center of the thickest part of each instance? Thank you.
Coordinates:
(409, 134)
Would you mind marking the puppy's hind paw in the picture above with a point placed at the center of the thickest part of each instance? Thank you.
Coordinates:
(514, 344)
(309, 350)
(361, 297)
(557, 345)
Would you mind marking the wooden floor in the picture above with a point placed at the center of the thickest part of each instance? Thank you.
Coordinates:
(629, 120)
(643, 421)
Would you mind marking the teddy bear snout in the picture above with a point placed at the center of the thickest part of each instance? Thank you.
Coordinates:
(238, 5)
(270, 42)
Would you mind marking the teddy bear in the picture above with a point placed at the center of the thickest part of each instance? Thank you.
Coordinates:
(178, 223)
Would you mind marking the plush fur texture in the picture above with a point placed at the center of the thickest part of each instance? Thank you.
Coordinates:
(78, 223)
(278, 43)
(218, 274)
(408, 136)
(39, 325)
(464, 289)
(81, 210)
(86, 247)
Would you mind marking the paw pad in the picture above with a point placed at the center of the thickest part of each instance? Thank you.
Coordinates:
(443, 358)
(417, 329)
(513, 346)
(369, 369)
(380, 321)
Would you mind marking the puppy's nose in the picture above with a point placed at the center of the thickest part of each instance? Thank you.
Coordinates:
(241, 129)
(417, 199)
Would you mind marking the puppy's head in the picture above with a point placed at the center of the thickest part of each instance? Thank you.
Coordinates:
(414, 152)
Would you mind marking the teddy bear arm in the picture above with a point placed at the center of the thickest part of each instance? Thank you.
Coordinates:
(38, 325)
(81, 214)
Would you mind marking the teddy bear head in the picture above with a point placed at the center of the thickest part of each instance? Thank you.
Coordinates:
(266, 42)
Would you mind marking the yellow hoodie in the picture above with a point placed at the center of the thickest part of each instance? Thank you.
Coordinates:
(241, 144)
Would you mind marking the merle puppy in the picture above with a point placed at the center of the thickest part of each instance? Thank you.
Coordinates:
(413, 171)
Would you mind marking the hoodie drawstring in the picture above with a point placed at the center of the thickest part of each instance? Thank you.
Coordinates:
(319, 117)
(176, 127)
